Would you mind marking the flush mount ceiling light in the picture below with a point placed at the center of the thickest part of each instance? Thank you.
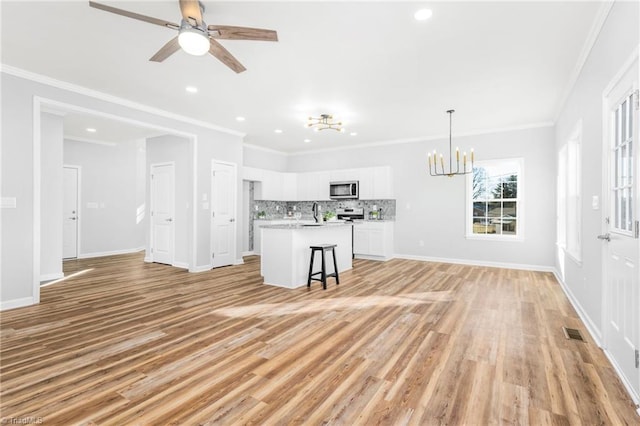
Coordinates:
(324, 122)
(191, 89)
(193, 40)
(433, 169)
(239, 118)
(91, 130)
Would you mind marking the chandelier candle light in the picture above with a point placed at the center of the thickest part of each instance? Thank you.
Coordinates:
(324, 122)
(433, 169)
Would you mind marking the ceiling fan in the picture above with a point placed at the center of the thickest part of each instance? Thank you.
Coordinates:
(194, 36)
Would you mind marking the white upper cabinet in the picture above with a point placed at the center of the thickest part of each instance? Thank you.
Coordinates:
(375, 183)
(382, 182)
(313, 186)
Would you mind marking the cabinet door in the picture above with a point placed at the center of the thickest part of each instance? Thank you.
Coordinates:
(290, 187)
(360, 240)
(376, 243)
(365, 176)
(382, 183)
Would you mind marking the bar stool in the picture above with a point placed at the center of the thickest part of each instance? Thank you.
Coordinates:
(323, 248)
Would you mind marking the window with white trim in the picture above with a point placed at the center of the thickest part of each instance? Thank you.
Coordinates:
(494, 201)
(569, 196)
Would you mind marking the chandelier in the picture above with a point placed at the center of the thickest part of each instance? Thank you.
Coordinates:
(433, 163)
(324, 122)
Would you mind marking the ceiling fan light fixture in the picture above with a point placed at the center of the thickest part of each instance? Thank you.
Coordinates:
(193, 41)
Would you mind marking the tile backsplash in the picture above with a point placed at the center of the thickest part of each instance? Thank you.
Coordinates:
(279, 209)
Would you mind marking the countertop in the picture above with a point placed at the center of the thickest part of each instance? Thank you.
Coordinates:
(308, 226)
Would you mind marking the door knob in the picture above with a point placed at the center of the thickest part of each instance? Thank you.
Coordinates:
(232, 220)
(605, 237)
(169, 220)
(72, 218)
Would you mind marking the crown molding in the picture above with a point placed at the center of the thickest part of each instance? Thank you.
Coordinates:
(590, 41)
(39, 78)
(425, 138)
(85, 140)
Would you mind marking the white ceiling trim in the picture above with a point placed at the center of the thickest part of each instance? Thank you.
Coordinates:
(39, 78)
(410, 140)
(590, 41)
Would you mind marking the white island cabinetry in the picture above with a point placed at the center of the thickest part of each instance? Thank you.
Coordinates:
(285, 257)
(373, 240)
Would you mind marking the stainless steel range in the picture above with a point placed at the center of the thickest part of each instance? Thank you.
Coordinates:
(350, 214)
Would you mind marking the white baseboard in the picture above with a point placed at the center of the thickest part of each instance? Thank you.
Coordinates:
(239, 262)
(148, 259)
(504, 265)
(202, 268)
(52, 276)
(368, 257)
(16, 303)
(248, 253)
(182, 265)
(110, 253)
(596, 335)
(593, 330)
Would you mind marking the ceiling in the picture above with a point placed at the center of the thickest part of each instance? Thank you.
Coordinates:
(371, 64)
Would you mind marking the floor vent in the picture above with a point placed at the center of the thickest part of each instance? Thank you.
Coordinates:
(572, 333)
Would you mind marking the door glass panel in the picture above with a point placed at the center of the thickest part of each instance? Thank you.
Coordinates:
(616, 209)
(623, 121)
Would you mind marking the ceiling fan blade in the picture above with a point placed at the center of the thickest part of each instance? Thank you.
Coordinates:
(242, 33)
(134, 15)
(217, 50)
(167, 50)
(191, 11)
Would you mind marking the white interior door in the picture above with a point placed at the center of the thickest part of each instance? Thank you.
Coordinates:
(70, 217)
(162, 213)
(223, 213)
(622, 254)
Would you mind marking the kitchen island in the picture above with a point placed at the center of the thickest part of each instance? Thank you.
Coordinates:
(285, 251)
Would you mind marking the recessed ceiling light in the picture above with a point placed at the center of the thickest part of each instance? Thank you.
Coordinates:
(354, 133)
(307, 140)
(91, 130)
(278, 131)
(239, 118)
(191, 89)
(423, 14)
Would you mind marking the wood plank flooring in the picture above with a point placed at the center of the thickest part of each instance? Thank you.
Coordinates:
(123, 342)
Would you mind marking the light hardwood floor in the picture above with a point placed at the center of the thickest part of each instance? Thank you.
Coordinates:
(400, 342)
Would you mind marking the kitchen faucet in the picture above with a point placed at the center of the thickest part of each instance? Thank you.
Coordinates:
(314, 209)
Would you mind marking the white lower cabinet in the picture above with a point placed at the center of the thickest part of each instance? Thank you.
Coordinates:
(373, 240)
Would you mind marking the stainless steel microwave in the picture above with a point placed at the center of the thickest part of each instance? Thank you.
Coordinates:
(344, 190)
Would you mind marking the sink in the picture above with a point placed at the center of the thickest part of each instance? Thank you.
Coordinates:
(312, 224)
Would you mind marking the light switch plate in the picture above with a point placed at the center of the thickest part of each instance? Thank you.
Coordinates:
(595, 202)
(8, 202)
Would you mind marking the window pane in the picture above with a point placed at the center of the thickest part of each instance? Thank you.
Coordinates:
(616, 207)
(480, 225)
(494, 188)
(494, 209)
(623, 209)
(479, 183)
(510, 187)
(623, 165)
(479, 209)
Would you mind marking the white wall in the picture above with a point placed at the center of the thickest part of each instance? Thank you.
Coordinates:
(51, 197)
(261, 158)
(432, 209)
(110, 181)
(164, 149)
(616, 43)
(21, 92)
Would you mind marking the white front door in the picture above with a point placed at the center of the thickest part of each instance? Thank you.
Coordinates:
(223, 213)
(622, 254)
(70, 217)
(162, 213)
